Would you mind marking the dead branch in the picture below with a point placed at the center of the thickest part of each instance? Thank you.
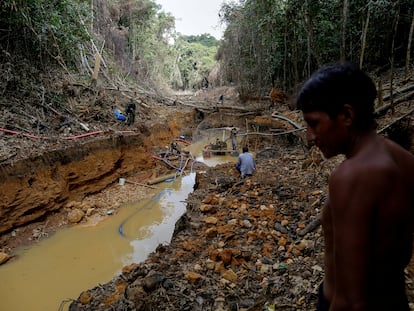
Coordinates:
(140, 184)
(395, 121)
(297, 126)
(311, 226)
(409, 93)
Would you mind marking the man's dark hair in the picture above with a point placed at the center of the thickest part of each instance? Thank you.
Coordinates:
(245, 149)
(331, 87)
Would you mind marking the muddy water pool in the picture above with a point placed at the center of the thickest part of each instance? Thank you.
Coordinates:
(49, 274)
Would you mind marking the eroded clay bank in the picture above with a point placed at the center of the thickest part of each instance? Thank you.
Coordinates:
(32, 188)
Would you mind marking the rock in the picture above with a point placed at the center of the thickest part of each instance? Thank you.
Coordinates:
(232, 222)
(303, 244)
(69, 205)
(207, 200)
(90, 211)
(226, 256)
(247, 224)
(85, 298)
(3, 257)
(284, 222)
(211, 220)
(152, 281)
(136, 293)
(210, 264)
(247, 303)
(84, 206)
(192, 277)
(211, 232)
(206, 208)
(282, 241)
(265, 268)
(230, 275)
(75, 215)
(129, 269)
(219, 267)
(280, 228)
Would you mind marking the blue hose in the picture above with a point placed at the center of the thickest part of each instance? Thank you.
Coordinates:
(154, 198)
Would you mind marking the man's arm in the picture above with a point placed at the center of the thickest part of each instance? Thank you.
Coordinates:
(355, 191)
(238, 161)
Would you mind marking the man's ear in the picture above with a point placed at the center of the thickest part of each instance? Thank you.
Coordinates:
(347, 114)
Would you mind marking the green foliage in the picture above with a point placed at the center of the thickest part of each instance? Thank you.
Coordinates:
(137, 33)
(195, 59)
(149, 33)
(42, 30)
(204, 39)
(281, 42)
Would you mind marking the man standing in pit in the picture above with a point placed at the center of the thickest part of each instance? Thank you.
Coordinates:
(233, 135)
(130, 112)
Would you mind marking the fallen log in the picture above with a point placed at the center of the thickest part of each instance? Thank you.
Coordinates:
(395, 121)
(408, 94)
(400, 91)
(294, 124)
(140, 184)
(161, 179)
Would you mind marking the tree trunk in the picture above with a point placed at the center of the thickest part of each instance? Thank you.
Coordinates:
(285, 57)
(397, 18)
(380, 94)
(345, 9)
(364, 38)
(309, 52)
(312, 46)
(92, 15)
(410, 38)
(295, 58)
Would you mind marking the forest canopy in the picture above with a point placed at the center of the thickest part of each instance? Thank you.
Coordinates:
(266, 43)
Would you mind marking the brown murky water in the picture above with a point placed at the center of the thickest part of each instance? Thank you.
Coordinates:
(74, 259)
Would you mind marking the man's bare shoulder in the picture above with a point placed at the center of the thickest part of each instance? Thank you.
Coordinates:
(381, 163)
(401, 155)
(363, 168)
(370, 167)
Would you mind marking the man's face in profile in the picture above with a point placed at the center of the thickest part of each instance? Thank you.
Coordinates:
(326, 133)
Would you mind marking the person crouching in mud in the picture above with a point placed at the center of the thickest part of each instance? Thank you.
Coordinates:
(245, 163)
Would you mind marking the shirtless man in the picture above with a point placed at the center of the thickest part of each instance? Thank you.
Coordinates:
(369, 217)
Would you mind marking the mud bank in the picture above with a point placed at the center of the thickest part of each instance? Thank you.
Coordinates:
(34, 187)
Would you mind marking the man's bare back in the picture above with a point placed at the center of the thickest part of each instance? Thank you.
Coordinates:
(369, 228)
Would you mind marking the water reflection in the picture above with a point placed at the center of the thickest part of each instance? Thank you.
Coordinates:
(78, 258)
(147, 238)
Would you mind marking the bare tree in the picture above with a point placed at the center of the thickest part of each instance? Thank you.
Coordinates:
(345, 9)
(410, 38)
(312, 45)
(396, 21)
(364, 37)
